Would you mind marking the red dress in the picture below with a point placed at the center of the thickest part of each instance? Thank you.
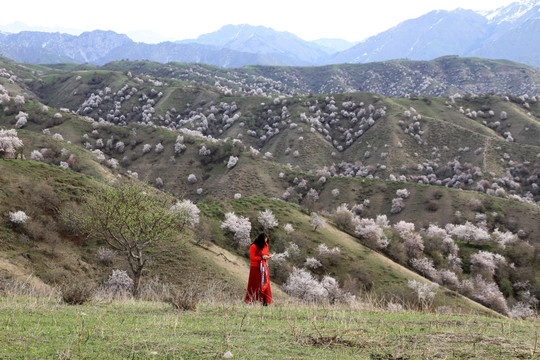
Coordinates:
(254, 292)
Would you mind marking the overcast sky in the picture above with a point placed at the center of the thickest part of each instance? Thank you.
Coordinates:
(351, 20)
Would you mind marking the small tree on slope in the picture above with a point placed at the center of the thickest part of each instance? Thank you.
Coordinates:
(131, 218)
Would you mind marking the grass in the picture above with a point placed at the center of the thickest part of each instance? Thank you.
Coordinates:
(37, 328)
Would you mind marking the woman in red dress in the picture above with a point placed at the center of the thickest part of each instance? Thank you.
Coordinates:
(258, 288)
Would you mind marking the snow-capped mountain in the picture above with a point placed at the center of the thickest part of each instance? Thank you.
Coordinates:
(511, 32)
(516, 12)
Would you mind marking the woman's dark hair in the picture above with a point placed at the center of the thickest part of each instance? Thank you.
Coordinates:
(259, 241)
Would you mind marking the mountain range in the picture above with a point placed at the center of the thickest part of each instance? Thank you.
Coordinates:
(511, 32)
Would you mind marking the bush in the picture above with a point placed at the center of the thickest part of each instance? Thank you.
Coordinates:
(397, 205)
(396, 251)
(75, 293)
(279, 271)
(154, 290)
(118, 285)
(425, 292)
(302, 285)
(343, 217)
(432, 206)
(106, 256)
(183, 300)
(18, 217)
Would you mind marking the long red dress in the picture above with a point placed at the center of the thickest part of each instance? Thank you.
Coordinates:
(254, 292)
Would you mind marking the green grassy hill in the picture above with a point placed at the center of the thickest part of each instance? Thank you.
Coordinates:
(46, 247)
(462, 159)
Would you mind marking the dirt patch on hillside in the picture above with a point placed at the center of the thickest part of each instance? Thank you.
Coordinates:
(19, 273)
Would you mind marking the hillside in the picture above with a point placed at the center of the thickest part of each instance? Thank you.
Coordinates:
(363, 135)
(430, 184)
(439, 77)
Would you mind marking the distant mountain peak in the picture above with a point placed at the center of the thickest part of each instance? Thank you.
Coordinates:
(513, 12)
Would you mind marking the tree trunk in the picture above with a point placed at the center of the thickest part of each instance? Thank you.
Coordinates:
(137, 283)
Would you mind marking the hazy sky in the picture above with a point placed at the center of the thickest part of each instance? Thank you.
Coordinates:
(351, 20)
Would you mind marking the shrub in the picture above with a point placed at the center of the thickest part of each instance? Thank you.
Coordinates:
(413, 243)
(424, 292)
(10, 144)
(397, 205)
(521, 310)
(118, 285)
(402, 193)
(187, 212)
(302, 285)
(184, 299)
(147, 148)
(335, 294)
(403, 226)
(449, 279)
(267, 219)
(425, 267)
(288, 228)
(432, 206)
(313, 263)
(468, 232)
(372, 232)
(36, 155)
(75, 293)
(475, 204)
(397, 251)
(18, 217)
(22, 119)
(325, 252)
(488, 293)
(239, 226)
(317, 221)
(106, 256)
(232, 162)
(486, 262)
(343, 217)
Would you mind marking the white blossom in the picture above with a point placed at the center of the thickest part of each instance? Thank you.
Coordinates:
(267, 219)
(317, 221)
(288, 228)
(187, 211)
(240, 226)
(18, 217)
(313, 263)
(232, 162)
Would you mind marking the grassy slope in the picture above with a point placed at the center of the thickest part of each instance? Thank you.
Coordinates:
(56, 256)
(39, 329)
(43, 247)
